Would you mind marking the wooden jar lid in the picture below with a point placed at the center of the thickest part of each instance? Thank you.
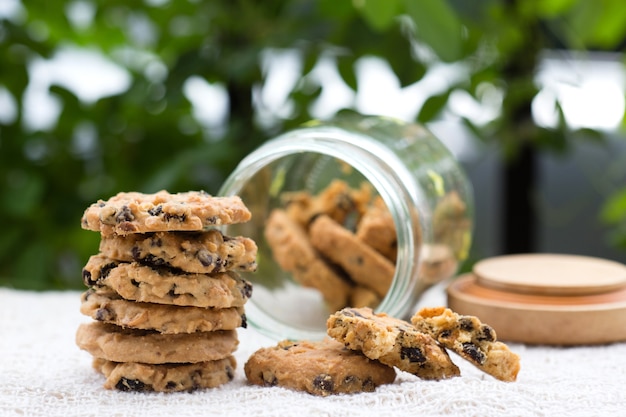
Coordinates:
(545, 298)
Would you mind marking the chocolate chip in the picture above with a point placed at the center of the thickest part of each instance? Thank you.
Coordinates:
(172, 291)
(170, 385)
(487, 334)
(445, 334)
(125, 384)
(205, 257)
(87, 278)
(106, 270)
(155, 211)
(246, 291)
(474, 353)
(230, 373)
(413, 354)
(104, 314)
(179, 217)
(244, 321)
(368, 385)
(152, 261)
(135, 283)
(324, 383)
(124, 215)
(135, 252)
(466, 324)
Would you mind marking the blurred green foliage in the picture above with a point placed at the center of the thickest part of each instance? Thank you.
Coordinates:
(148, 137)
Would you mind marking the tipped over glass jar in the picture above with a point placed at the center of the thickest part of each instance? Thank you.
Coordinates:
(357, 211)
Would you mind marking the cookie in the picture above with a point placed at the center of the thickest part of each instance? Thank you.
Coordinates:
(377, 229)
(134, 212)
(169, 377)
(319, 368)
(107, 306)
(392, 341)
(200, 252)
(438, 263)
(361, 296)
(116, 344)
(471, 339)
(293, 252)
(338, 200)
(363, 264)
(136, 282)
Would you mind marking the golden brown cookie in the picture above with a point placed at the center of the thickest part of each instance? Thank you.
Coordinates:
(363, 264)
(319, 368)
(133, 281)
(116, 344)
(134, 212)
(199, 252)
(293, 252)
(471, 339)
(377, 229)
(167, 377)
(107, 306)
(392, 341)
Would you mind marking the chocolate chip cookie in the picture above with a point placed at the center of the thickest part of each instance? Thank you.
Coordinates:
(116, 344)
(200, 252)
(134, 212)
(363, 264)
(319, 368)
(133, 281)
(293, 252)
(392, 341)
(107, 306)
(471, 339)
(169, 377)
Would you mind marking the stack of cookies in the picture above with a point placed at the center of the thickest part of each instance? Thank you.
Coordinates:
(165, 291)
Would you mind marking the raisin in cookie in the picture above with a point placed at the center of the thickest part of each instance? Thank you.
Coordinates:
(134, 212)
(319, 368)
(107, 306)
(293, 252)
(363, 264)
(471, 339)
(200, 252)
(133, 281)
(169, 377)
(116, 344)
(392, 341)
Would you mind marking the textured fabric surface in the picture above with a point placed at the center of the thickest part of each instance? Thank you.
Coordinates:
(43, 373)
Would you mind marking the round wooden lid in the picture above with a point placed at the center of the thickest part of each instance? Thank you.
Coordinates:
(542, 318)
(552, 274)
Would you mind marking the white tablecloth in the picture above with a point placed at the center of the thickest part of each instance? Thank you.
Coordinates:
(43, 373)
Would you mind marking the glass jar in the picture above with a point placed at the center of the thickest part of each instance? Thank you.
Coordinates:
(427, 200)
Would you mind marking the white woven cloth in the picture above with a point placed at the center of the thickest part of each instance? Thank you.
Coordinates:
(43, 373)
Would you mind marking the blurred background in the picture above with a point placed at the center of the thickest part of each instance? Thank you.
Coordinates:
(102, 96)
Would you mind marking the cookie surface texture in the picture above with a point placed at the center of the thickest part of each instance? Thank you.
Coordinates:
(132, 376)
(392, 341)
(319, 368)
(113, 343)
(107, 306)
(134, 212)
(199, 252)
(471, 339)
(136, 282)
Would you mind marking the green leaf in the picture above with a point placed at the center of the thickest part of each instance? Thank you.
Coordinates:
(614, 209)
(432, 107)
(379, 14)
(438, 26)
(345, 66)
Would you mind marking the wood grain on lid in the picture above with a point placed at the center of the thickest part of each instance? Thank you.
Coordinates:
(551, 274)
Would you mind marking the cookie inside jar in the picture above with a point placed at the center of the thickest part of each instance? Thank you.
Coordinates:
(348, 215)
